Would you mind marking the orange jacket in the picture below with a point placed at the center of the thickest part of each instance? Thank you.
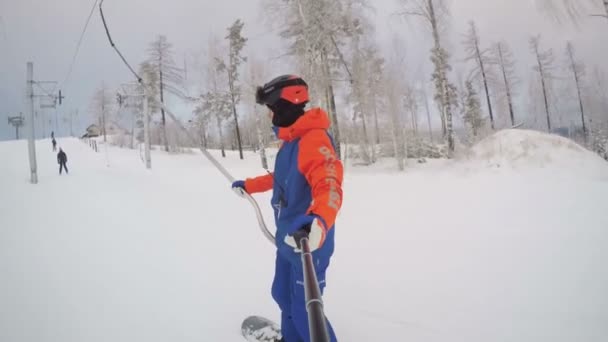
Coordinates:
(316, 162)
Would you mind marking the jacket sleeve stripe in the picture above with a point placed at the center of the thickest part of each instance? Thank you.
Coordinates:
(259, 184)
(323, 171)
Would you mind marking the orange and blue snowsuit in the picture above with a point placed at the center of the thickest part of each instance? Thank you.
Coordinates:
(307, 179)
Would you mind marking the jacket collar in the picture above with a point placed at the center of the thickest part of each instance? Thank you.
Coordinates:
(315, 118)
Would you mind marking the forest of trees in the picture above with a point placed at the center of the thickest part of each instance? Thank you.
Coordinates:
(376, 108)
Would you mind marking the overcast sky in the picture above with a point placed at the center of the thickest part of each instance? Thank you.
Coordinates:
(46, 33)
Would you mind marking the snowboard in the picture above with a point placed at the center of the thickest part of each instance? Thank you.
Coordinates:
(260, 329)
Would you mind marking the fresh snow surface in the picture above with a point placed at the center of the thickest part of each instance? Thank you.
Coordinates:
(443, 252)
(533, 150)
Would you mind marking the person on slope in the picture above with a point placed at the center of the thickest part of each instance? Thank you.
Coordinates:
(62, 160)
(306, 195)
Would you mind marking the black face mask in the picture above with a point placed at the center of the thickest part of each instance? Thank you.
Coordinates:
(286, 113)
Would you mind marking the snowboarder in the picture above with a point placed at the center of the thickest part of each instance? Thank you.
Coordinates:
(54, 144)
(62, 160)
(307, 195)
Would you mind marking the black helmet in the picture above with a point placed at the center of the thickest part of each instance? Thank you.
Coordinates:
(290, 88)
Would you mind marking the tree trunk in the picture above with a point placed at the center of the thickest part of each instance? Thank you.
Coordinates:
(404, 138)
(485, 85)
(219, 128)
(398, 143)
(450, 129)
(359, 112)
(132, 145)
(162, 111)
(447, 110)
(542, 79)
(366, 144)
(335, 128)
(578, 88)
(541, 71)
(202, 132)
(396, 126)
(428, 116)
(236, 118)
(261, 142)
(414, 114)
(238, 132)
(103, 117)
(485, 80)
(507, 87)
(334, 119)
(376, 127)
(444, 126)
(580, 101)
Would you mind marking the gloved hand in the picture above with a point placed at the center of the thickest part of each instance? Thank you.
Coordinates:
(239, 187)
(306, 225)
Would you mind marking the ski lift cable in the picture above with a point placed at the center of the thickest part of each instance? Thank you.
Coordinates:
(84, 29)
(10, 54)
(105, 25)
(206, 153)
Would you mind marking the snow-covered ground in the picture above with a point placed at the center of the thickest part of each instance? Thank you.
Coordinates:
(491, 247)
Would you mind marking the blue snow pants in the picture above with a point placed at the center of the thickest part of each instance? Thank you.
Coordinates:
(288, 292)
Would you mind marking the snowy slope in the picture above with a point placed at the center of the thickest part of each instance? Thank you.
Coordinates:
(113, 252)
(527, 150)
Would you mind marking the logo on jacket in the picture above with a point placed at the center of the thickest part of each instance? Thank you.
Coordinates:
(332, 176)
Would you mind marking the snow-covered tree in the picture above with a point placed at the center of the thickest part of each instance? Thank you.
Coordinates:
(150, 78)
(257, 75)
(481, 58)
(574, 9)
(597, 99)
(434, 12)
(422, 93)
(170, 77)
(544, 67)
(472, 110)
(235, 59)
(317, 32)
(201, 121)
(578, 73)
(363, 94)
(102, 107)
(376, 86)
(395, 86)
(367, 92)
(216, 105)
(394, 108)
(504, 60)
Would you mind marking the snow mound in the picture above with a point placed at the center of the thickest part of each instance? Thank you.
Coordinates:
(533, 150)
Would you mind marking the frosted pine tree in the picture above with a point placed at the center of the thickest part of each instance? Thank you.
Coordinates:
(505, 62)
(481, 58)
(102, 107)
(257, 76)
(574, 10)
(235, 59)
(362, 97)
(170, 77)
(472, 110)
(394, 109)
(317, 32)
(578, 73)
(544, 67)
(433, 12)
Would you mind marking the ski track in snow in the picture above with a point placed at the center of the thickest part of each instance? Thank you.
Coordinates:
(448, 251)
